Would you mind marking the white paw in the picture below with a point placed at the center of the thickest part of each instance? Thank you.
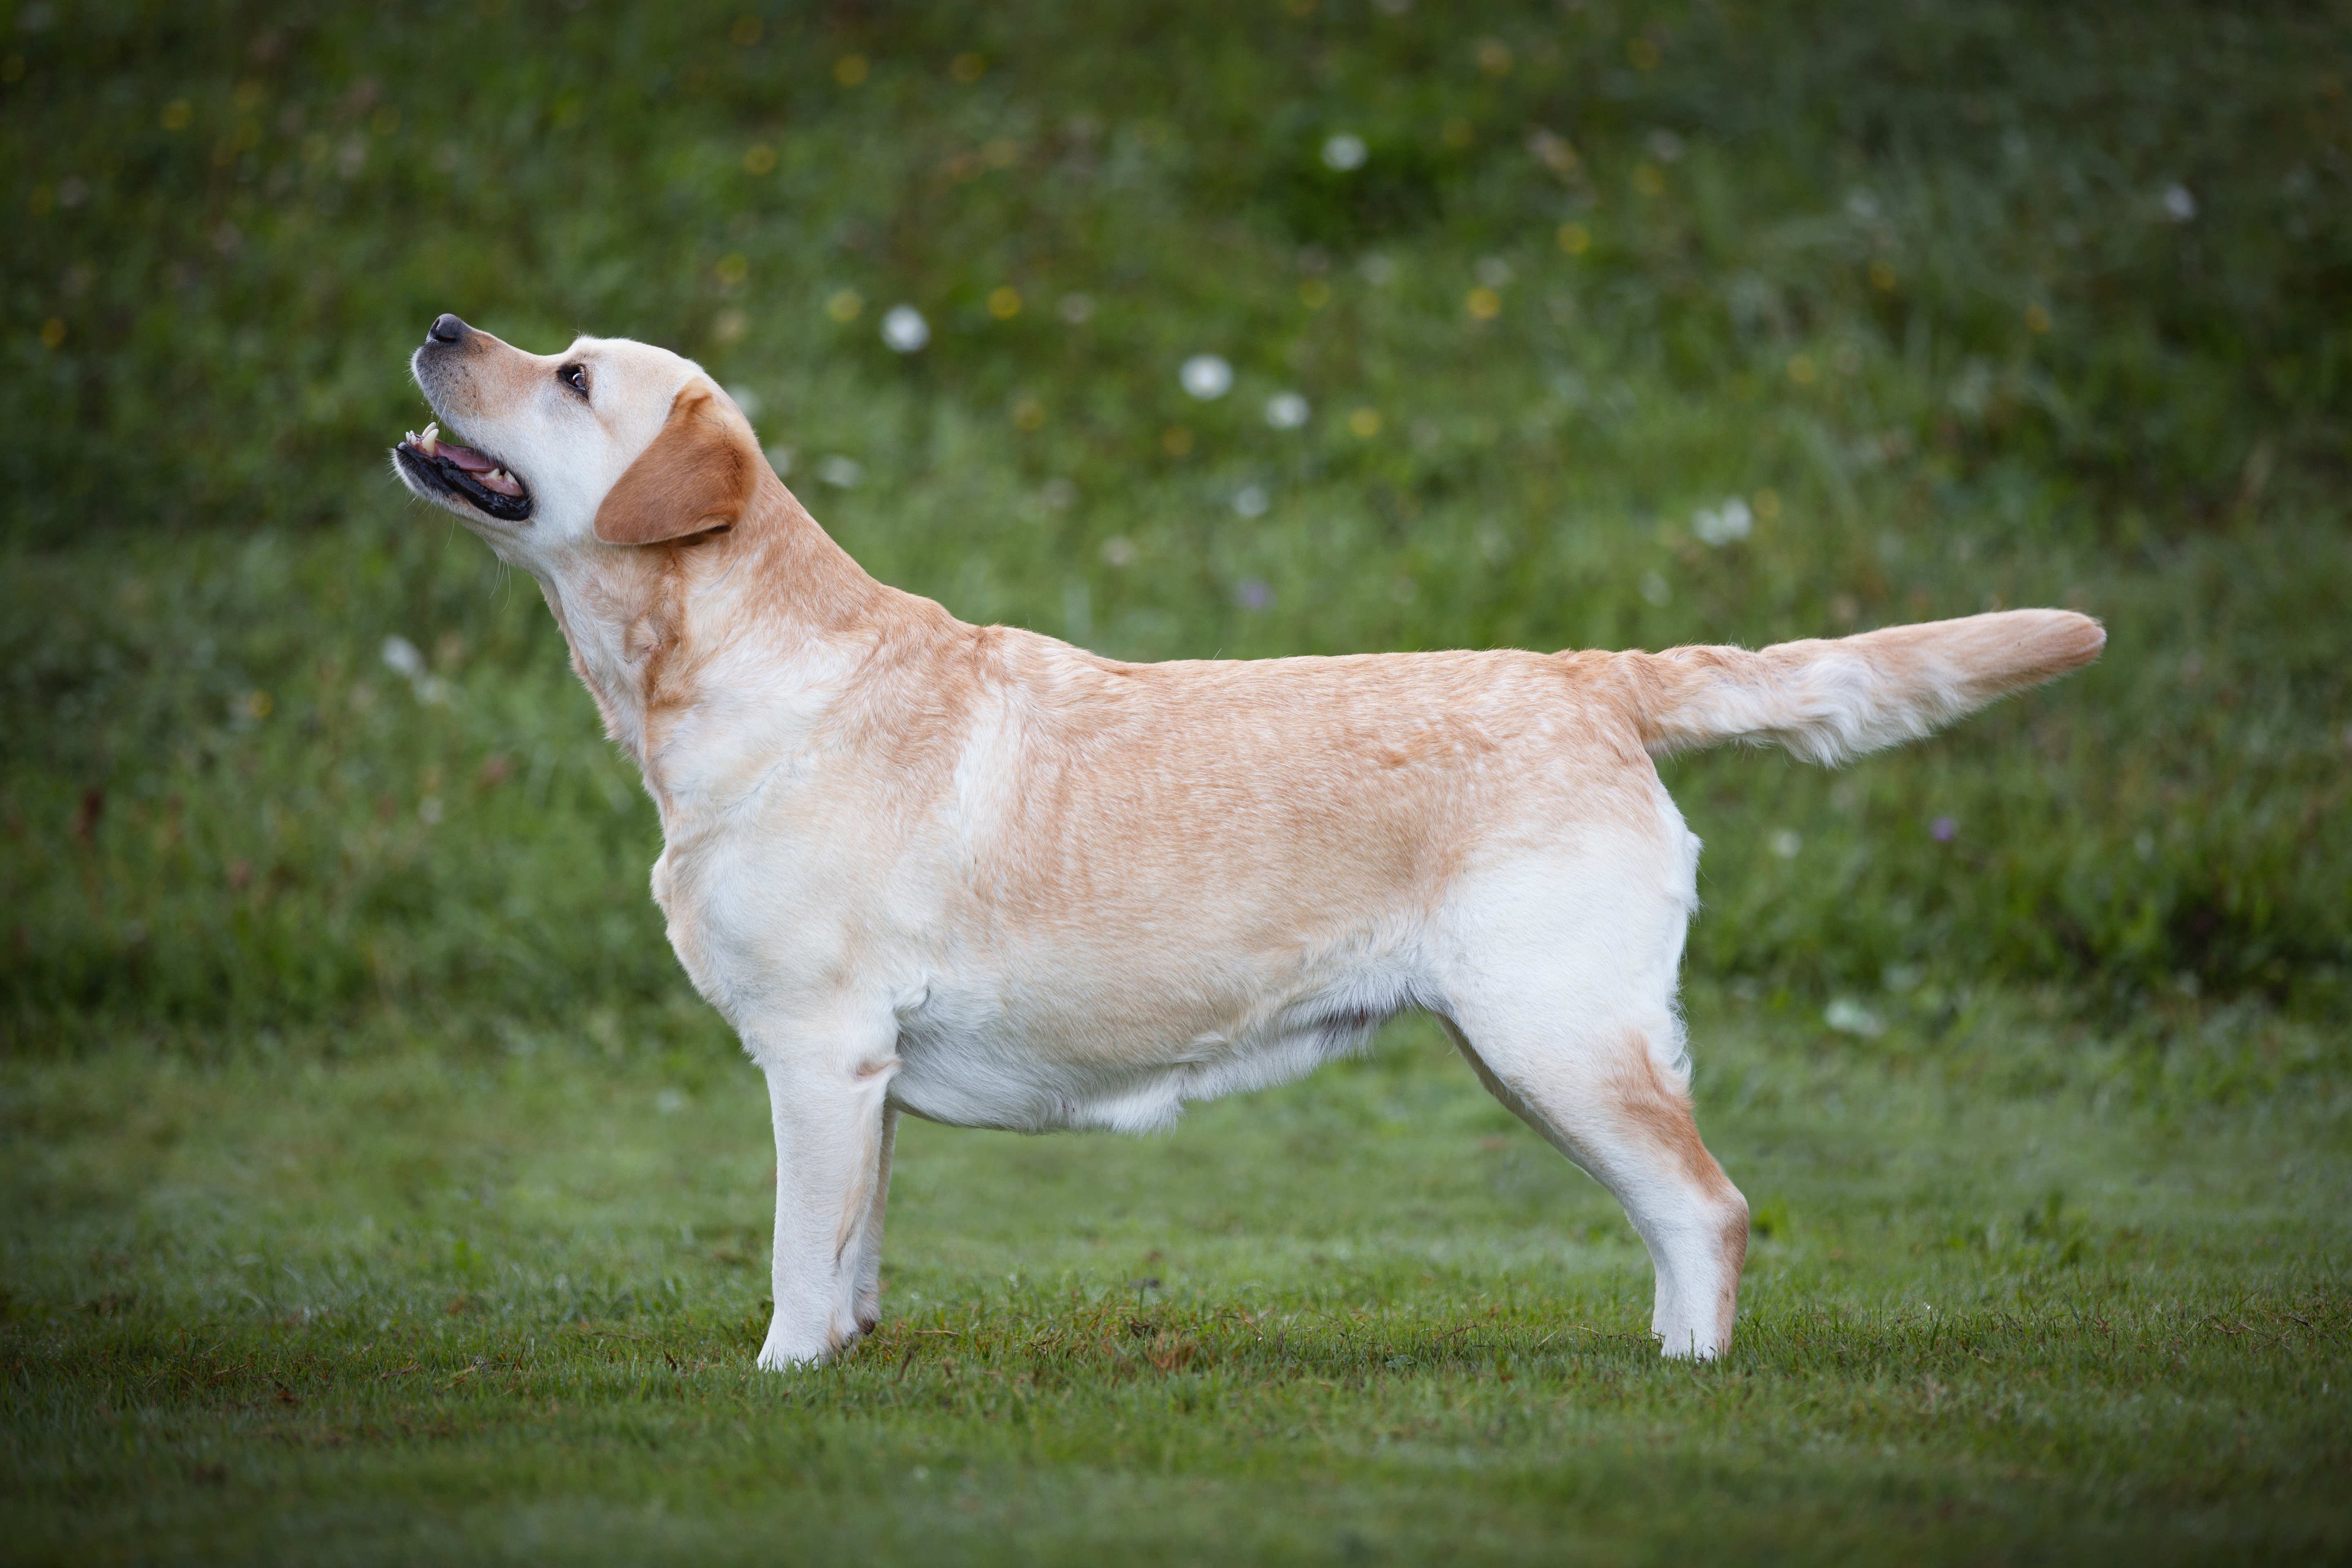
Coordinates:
(783, 1352)
(1686, 1344)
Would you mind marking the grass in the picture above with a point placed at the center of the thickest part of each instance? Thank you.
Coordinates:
(375, 1188)
(504, 1308)
(1811, 251)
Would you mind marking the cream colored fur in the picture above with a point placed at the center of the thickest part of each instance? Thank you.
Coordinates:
(974, 873)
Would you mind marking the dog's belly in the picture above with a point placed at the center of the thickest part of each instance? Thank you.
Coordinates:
(1042, 1064)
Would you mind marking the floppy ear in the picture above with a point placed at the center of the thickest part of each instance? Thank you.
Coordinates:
(699, 475)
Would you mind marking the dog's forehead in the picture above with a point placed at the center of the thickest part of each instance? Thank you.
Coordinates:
(627, 369)
(628, 357)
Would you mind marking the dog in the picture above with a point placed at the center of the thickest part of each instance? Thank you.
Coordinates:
(979, 876)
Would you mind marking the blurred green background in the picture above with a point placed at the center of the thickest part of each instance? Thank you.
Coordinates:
(323, 920)
(1978, 305)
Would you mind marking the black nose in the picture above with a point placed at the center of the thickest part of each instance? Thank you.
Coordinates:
(448, 328)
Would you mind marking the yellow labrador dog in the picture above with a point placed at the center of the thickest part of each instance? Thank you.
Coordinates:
(973, 874)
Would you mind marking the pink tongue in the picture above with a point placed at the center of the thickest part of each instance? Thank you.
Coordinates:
(466, 457)
(481, 467)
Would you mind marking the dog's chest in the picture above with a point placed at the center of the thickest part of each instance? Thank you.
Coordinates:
(984, 1039)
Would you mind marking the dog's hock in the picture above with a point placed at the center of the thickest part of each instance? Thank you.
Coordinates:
(699, 475)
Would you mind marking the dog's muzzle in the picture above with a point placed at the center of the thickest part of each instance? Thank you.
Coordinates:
(445, 470)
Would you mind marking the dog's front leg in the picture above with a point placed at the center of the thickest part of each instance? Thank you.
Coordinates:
(831, 1154)
(866, 1277)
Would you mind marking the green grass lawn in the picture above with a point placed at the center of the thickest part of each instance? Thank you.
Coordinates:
(371, 1185)
(505, 1307)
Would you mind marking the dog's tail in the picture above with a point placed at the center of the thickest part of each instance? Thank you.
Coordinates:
(1827, 701)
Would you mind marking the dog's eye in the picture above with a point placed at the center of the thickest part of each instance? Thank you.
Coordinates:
(574, 377)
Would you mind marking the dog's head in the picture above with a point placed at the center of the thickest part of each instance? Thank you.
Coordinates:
(609, 443)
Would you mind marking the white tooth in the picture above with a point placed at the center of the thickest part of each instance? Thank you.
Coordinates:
(429, 443)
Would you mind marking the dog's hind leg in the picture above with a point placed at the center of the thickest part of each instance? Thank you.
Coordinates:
(1559, 990)
(833, 1137)
(1603, 1100)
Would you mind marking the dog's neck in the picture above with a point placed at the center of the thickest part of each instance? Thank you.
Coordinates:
(785, 606)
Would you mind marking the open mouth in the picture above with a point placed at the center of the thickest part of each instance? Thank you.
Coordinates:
(461, 471)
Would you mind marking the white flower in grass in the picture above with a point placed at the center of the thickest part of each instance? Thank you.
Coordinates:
(1206, 376)
(1721, 525)
(905, 330)
(1250, 500)
(1345, 152)
(842, 473)
(1848, 1017)
(2180, 203)
(401, 657)
(1287, 411)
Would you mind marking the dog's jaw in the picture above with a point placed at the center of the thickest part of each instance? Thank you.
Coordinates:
(477, 486)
